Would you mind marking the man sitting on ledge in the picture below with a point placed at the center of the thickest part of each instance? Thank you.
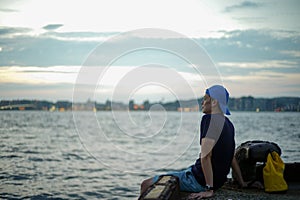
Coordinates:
(217, 150)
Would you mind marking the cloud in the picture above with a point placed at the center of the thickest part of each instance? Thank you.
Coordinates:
(51, 27)
(57, 49)
(117, 81)
(38, 75)
(41, 50)
(270, 64)
(251, 20)
(53, 92)
(264, 83)
(252, 45)
(23, 47)
(9, 32)
(243, 5)
(237, 51)
(8, 10)
(258, 43)
(96, 37)
(295, 54)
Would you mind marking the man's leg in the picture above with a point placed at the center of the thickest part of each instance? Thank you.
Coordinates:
(145, 185)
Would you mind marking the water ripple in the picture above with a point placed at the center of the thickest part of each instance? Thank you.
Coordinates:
(42, 156)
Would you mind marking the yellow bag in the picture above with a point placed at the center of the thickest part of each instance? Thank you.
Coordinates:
(273, 174)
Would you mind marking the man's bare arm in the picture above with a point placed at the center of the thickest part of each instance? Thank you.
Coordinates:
(236, 168)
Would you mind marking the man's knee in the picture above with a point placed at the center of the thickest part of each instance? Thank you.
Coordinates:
(145, 184)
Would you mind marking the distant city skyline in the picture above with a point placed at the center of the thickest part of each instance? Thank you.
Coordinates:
(279, 104)
(254, 48)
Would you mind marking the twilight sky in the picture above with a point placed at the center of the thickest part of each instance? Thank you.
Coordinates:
(130, 49)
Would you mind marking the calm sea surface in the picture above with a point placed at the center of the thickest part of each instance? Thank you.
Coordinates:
(105, 155)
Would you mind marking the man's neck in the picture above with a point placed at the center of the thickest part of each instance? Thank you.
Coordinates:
(216, 111)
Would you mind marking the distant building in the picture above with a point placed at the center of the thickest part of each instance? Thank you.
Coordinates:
(279, 104)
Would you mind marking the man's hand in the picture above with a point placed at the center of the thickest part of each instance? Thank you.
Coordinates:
(201, 195)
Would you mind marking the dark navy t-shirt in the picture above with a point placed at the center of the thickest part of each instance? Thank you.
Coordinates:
(218, 127)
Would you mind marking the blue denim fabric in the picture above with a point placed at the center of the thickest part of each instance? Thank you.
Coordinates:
(187, 181)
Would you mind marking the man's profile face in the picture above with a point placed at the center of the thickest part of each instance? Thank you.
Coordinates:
(206, 104)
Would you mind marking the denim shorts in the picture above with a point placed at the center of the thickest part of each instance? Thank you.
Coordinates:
(187, 181)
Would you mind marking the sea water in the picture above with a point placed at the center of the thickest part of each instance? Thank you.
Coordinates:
(106, 155)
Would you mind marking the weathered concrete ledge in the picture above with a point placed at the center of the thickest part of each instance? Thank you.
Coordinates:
(229, 192)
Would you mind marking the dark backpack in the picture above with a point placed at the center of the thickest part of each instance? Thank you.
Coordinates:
(249, 154)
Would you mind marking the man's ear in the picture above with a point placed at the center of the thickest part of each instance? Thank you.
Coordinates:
(214, 102)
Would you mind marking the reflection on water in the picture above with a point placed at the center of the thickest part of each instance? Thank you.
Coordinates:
(106, 155)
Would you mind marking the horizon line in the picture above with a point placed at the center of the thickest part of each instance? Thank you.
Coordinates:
(122, 101)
